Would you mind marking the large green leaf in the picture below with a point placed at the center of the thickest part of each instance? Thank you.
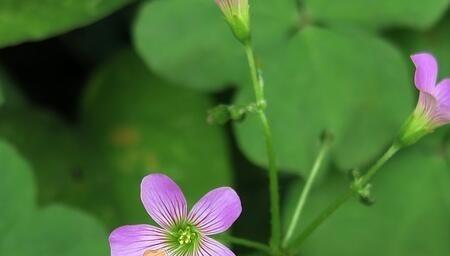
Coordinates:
(189, 43)
(53, 231)
(30, 20)
(354, 86)
(378, 14)
(138, 124)
(410, 216)
(54, 150)
(50, 146)
(16, 188)
(56, 231)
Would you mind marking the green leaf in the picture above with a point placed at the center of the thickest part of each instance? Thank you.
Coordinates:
(349, 83)
(56, 231)
(25, 230)
(410, 215)
(52, 231)
(50, 146)
(378, 14)
(190, 44)
(138, 124)
(30, 20)
(17, 189)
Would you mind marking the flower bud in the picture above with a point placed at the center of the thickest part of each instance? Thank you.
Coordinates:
(236, 13)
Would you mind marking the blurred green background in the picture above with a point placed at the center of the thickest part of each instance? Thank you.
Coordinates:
(96, 94)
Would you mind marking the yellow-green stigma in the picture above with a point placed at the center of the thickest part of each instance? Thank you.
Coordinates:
(184, 237)
(187, 235)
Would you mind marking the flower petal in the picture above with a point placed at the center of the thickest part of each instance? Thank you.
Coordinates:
(163, 200)
(428, 106)
(426, 71)
(442, 92)
(216, 211)
(210, 247)
(136, 240)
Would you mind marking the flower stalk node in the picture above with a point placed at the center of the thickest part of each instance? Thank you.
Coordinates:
(362, 188)
(223, 114)
(261, 105)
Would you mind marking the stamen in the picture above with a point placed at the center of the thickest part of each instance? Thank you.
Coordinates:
(186, 235)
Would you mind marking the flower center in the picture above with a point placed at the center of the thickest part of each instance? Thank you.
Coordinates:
(187, 235)
(184, 237)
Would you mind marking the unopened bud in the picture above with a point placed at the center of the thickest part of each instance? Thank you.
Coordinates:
(236, 13)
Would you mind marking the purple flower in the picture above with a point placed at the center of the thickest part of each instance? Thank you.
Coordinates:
(434, 99)
(433, 107)
(181, 233)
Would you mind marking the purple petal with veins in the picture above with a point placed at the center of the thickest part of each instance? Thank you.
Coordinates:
(136, 240)
(434, 100)
(426, 71)
(163, 200)
(209, 246)
(216, 211)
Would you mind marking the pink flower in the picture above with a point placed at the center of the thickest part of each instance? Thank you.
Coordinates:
(433, 107)
(434, 99)
(181, 233)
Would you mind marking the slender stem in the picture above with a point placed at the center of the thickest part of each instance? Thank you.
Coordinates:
(273, 174)
(247, 243)
(258, 87)
(273, 185)
(343, 198)
(304, 195)
(321, 218)
(374, 169)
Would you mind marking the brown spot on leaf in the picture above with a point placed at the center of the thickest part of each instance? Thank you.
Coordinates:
(124, 136)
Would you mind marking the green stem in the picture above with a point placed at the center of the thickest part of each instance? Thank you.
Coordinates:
(247, 243)
(374, 169)
(304, 195)
(258, 87)
(321, 218)
(343, 198)
(273, 174)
